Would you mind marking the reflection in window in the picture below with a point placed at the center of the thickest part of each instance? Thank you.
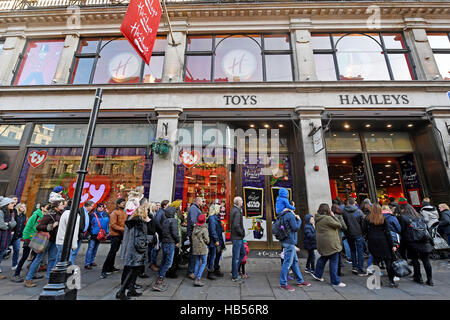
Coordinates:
(108, 60)
(440, 43)
(225, 58)
(10, 134)
(39, 62)
(374, 56)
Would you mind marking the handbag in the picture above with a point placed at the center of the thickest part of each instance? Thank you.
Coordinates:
(400, 266)
(39, 242)
(439, 242)
(101, 236)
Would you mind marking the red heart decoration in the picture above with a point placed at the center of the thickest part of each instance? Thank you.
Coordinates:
(36, 158)
(3, 166)
(95, 188)
(189, 158)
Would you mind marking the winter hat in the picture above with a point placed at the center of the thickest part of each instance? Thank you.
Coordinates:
(402, 201)
(58, 189)
(176, 203)
(353, 195)
(4, 201)
(201, 220)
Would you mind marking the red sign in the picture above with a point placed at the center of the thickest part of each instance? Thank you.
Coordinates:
(35, 158)
(95, 188)
(140, 26)
(189, 158)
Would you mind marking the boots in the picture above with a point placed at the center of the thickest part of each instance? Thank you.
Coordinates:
(122, 296)
(218, 274)
(211, 275)
(198, 283)
(133, 293)
(29, 284)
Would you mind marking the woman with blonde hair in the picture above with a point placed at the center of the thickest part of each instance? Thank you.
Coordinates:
(216, 244)
(380, 243)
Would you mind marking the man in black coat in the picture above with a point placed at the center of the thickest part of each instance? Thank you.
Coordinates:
(159, 219)
(193, 213)
(237, 238)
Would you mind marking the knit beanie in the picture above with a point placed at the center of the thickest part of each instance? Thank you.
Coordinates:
(402, 201)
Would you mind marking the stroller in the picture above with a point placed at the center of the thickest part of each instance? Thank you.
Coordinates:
(441, 247)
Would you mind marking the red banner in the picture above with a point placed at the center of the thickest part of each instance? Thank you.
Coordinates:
(140, 26)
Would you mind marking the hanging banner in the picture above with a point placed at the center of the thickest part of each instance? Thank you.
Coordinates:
(253, 202)
(140, 26)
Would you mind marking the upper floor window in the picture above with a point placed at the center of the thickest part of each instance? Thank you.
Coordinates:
(39, 62)
(10, 134)
(232, 58)
(110, 60)
(440, 43)
(2, 42)
(362, 56)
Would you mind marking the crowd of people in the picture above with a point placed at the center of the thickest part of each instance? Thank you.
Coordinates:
(144, 230)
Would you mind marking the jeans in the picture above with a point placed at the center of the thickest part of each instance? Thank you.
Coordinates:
(348, 253)
(25, 253)
(311, 261)
(73, 253)
(357, 249)
(211, 257)
(167, 258)
(320, 266)
(16, 251)
(290, 261)
(369, 261)
(108, 265)
(191, 264)
(58, 255)
(200, 264)
(238, 254)
(52, 256)
(217, 260)
(91, 251)
(154, 254)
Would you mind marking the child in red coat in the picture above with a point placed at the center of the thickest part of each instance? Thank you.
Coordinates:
(242, 272)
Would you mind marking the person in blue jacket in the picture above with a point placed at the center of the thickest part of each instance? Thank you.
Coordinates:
(216, 244)
(309, 242)
(99, 215)
(282, 202)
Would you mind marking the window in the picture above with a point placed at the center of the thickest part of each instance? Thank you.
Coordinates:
(234, 58)
(2, 42)
(110, 60)
(39, 62)
(388, 142)
(440, 43)
(11, 134)
(362, 56)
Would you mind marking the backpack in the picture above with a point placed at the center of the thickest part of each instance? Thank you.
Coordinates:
(419, 231)
(280, 230)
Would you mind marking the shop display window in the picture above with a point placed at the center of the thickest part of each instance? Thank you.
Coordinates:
(10, 134)
(388, 142)
(113, 172)
(39, 62)
(343, 141)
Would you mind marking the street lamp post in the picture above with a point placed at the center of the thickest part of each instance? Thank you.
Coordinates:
(57, 287)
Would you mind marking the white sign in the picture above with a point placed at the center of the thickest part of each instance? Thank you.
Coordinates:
(124, 67)
(239, 64)
(318, 141)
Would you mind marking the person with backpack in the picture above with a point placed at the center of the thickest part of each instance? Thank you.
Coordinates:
(328, 237)
(444, 222)
(159, 218)
(416, 237)
(7, 224)
(309, 242)
(286, 229)
(99, 221)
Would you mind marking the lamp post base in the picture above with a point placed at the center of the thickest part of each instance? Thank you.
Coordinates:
(63, 283)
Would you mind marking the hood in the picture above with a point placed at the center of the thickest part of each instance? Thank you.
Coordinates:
(133, 222)
(170, 212)
(350, 208)
(283, 193)
(198, 229)
(320, 217)
(429, 208)
(307, 218)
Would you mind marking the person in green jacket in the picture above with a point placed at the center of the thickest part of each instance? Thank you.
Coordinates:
(28, 233)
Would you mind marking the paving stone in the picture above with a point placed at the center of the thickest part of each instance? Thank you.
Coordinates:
(223, 293)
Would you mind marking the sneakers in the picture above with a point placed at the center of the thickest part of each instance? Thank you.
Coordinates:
(13, 268)
(362, 274)
(211, 276)
(304, 284)
(2, 277)
(93, 264)
(16, 279)
(430, 283)
(287, 287)
(341, 285)
(348, 260)
(103, 275)
(393, 285)
(133, 293)
(122, 296)
(354, 271)
(370, 270)
(114, 269)
(308, 271)
(244, 276)
(191, 276)
(154, 268)
(238, 279)
(218, 274)
(198, 283)
(396, 279)
(88, 267)
(317, 278)
(144, 275)
(29, 284)
(159, 285)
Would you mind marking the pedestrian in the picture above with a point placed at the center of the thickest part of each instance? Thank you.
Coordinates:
(151, 228)
(99, 221)
(28, 233)
(85, 221)
(56, 194)
(159, 219)
(309, 242)
(242, 272)
(49, 223)
(200, 241)
(20, 218)
(117, 220)
(444, 222)
(416, 249)
(329, 246)
(134, 250)
(282, 202)
(61, 234)
(353, 218)
(337, 212)
(366, 207)
(7, 224)
(216, 244)
(429, 213)
(169, 240)
(172, 272)
(381, 246)
(237, 237)
(393, 205)
(194, 211)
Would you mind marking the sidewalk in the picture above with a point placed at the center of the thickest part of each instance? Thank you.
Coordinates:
(262, 284)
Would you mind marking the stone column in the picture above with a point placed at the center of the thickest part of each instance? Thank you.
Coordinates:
(441, 119)
(421, 52)
(10, 56)
(163, 170)
(317, 182)
(66, 58)
(305, 67)
(174, 56)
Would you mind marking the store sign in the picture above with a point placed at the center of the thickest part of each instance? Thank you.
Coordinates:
(318, 141)
(189, 158)
(36, 158)
(239, 64)
(140, 26)
(95, 188)
(253, 202)
(385, 99)
(124, 67)
(240, 100)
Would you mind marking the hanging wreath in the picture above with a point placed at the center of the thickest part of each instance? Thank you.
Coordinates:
(160, 146)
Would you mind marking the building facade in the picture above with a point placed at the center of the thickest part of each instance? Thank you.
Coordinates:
(353, 96)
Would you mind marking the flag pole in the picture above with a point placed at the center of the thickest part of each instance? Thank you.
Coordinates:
(168, 22)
